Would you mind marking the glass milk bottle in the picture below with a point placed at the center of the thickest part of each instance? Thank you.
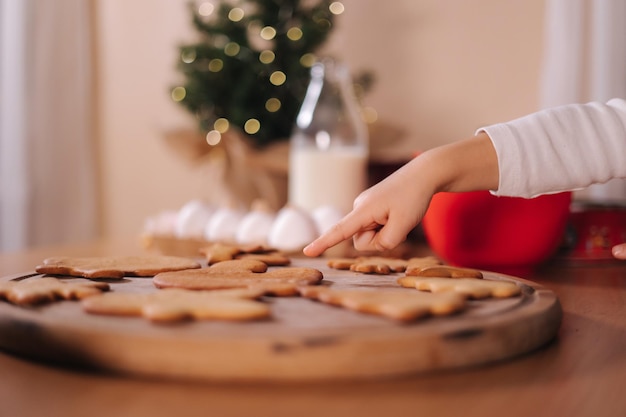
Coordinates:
(329, 144)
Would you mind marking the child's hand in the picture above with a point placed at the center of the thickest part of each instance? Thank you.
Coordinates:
(384, 214)
(619, 251)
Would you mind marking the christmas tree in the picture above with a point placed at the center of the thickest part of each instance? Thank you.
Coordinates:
(250, 67)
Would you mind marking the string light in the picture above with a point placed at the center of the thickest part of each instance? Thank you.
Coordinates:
(336, 8)
(267, 56)
(236, 14)
(324, 24)
(278, 78)
(188, 56)
(307, 60)
(268, 33)
(272, 105)
(206, 9)
(216, 65)
(294, 34)
(232, 48)
(247, 37)
(221, 125)
(179, 93)
(252, 126)
(321, 21)
(213, 137)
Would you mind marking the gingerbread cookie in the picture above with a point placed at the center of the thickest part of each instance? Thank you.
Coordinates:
(394, 304)
(219, 252)
(176, 304)
(423, 262)
(443, 271)
(369, 264)
(469, 287)
(40, 290)
(341, 263)
(241, 273)
(378, 264)
(272, 258)
(115, 267)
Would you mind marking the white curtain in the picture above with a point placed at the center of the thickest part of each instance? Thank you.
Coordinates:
(47, 162)
(585, 60)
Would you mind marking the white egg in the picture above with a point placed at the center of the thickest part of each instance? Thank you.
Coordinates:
(223, 225)
(255, 227)
(161, 224)
(166, 223)
(292, 230)
(192, 219)
(326, 217)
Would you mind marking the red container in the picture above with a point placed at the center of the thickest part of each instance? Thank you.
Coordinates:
(502, 234)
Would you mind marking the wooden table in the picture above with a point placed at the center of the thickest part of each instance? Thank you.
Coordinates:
(582, 373)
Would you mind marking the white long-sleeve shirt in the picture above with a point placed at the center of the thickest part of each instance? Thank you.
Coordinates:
(564, 148)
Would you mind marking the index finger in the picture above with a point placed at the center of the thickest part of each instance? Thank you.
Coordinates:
(344, 229)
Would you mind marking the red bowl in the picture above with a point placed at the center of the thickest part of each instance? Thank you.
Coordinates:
(502, 234)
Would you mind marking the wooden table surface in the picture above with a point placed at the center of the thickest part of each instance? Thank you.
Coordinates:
(582, 373)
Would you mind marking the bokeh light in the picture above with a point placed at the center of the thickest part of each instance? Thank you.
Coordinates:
(206, 9)
(268, 33)
(236, 14)
(267, 56)
(278, 78)
(272, 105)
(252, 126)
(213, 137)
(232, 48)
(221, 125)
(294, 34)
(216, 65)
(307, 60)
(179, 93)
(336, 8)
(323, 23)
(188, 56)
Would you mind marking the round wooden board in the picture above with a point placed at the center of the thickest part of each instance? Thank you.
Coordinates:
(304, 339)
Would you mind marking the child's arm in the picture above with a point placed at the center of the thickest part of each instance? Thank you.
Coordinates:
(553, 150)
(563, 148)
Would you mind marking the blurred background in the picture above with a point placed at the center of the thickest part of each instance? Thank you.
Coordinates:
(86, 107)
